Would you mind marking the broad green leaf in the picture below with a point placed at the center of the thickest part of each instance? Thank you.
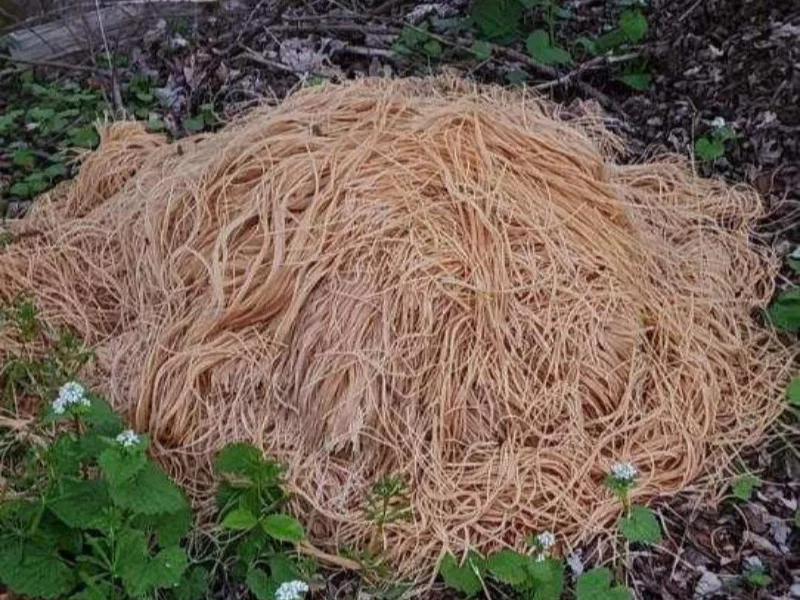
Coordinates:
(482, 50)
(633, 24)
(64, 456)
(102, 419)
(194, 124)
(80, 504)
(758, 578)
(497, 20)
(637, 81)
(743, 486)
(155, 125)
(29, 569)
(21, 190)
(84, 137)
(131, 558)
(709, 149)
(541, 50)
(640, 526)
(432, 48)
(150, 492)
(238, 458)
(508, 566)
(793, 392)
(169, 528)
(239, 519)
(610, 41)
(462, 578)
(55, 170)
(281, 569)
(119, 465)
(193, 585)
(24, 158)
(164, 569)
(261, 586)
(596, 585)
(284, 528)
(784, 312)
(547, 579)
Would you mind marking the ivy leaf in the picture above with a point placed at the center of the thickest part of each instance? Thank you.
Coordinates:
(709, 149)
(240, 519)
(793, 392)
(462, 578)
(193, 585)
(150, 492)
(283, 528)
(784, 312)
(641, 526)
(259, 583)
(744, 485)
(84, 137)
(633, 24)
(547, 579)
(80, 504)
(596, 585)
(497, 20)
(29, 569)
(120, 466)
(637, 81)
(541, 50)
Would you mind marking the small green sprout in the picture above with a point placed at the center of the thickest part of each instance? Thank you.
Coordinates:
(754, 572)
(387, 502)
(711, 146)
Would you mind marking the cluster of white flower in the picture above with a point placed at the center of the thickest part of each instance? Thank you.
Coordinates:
(70, 394)
(718, 123)
(291, 590)
(128, 438)
(624, 472)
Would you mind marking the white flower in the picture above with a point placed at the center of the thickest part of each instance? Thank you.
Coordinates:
(70, 394)
(718, 123)
(624, 472)
(546, 539)
(128, 438)
(291, 590)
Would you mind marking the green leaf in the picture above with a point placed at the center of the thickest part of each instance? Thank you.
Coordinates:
(102, 419)
(758, 578)
(793, 392)
(84, 137)
(596, 585)
(432, 48)
(284, 528)
(238, 458)
(541, 50)
(131, 558)
(23, 158)
(610, 41)
(282, 569)
(637, 81)
(784, 312)
(508, 566)
(64, 456)
(412, 37)
(633, 24)
(547, 579)
(259, 583)
(462, 578)
(80, 504)
(482, 50)
(640, 526)
(588, 44)
(497, 20)
(164, 569)
(38, 114)
(150, 492)
(169, 528)
(194, 124)
(709, 149)
(743, 486)
(239, 519)
(155, 125)
(29, 569)
(193, 585)
(119, 465)
(20, 190)
(55, 170)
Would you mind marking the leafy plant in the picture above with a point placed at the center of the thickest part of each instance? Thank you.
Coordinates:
(249, 497)
(755, 574)
(205, 119)
(784, 312)
(743, 486)
(387, 502)
(793, 392)
(640, 525)
(465, 577)
(711, 146)
(597, 585)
